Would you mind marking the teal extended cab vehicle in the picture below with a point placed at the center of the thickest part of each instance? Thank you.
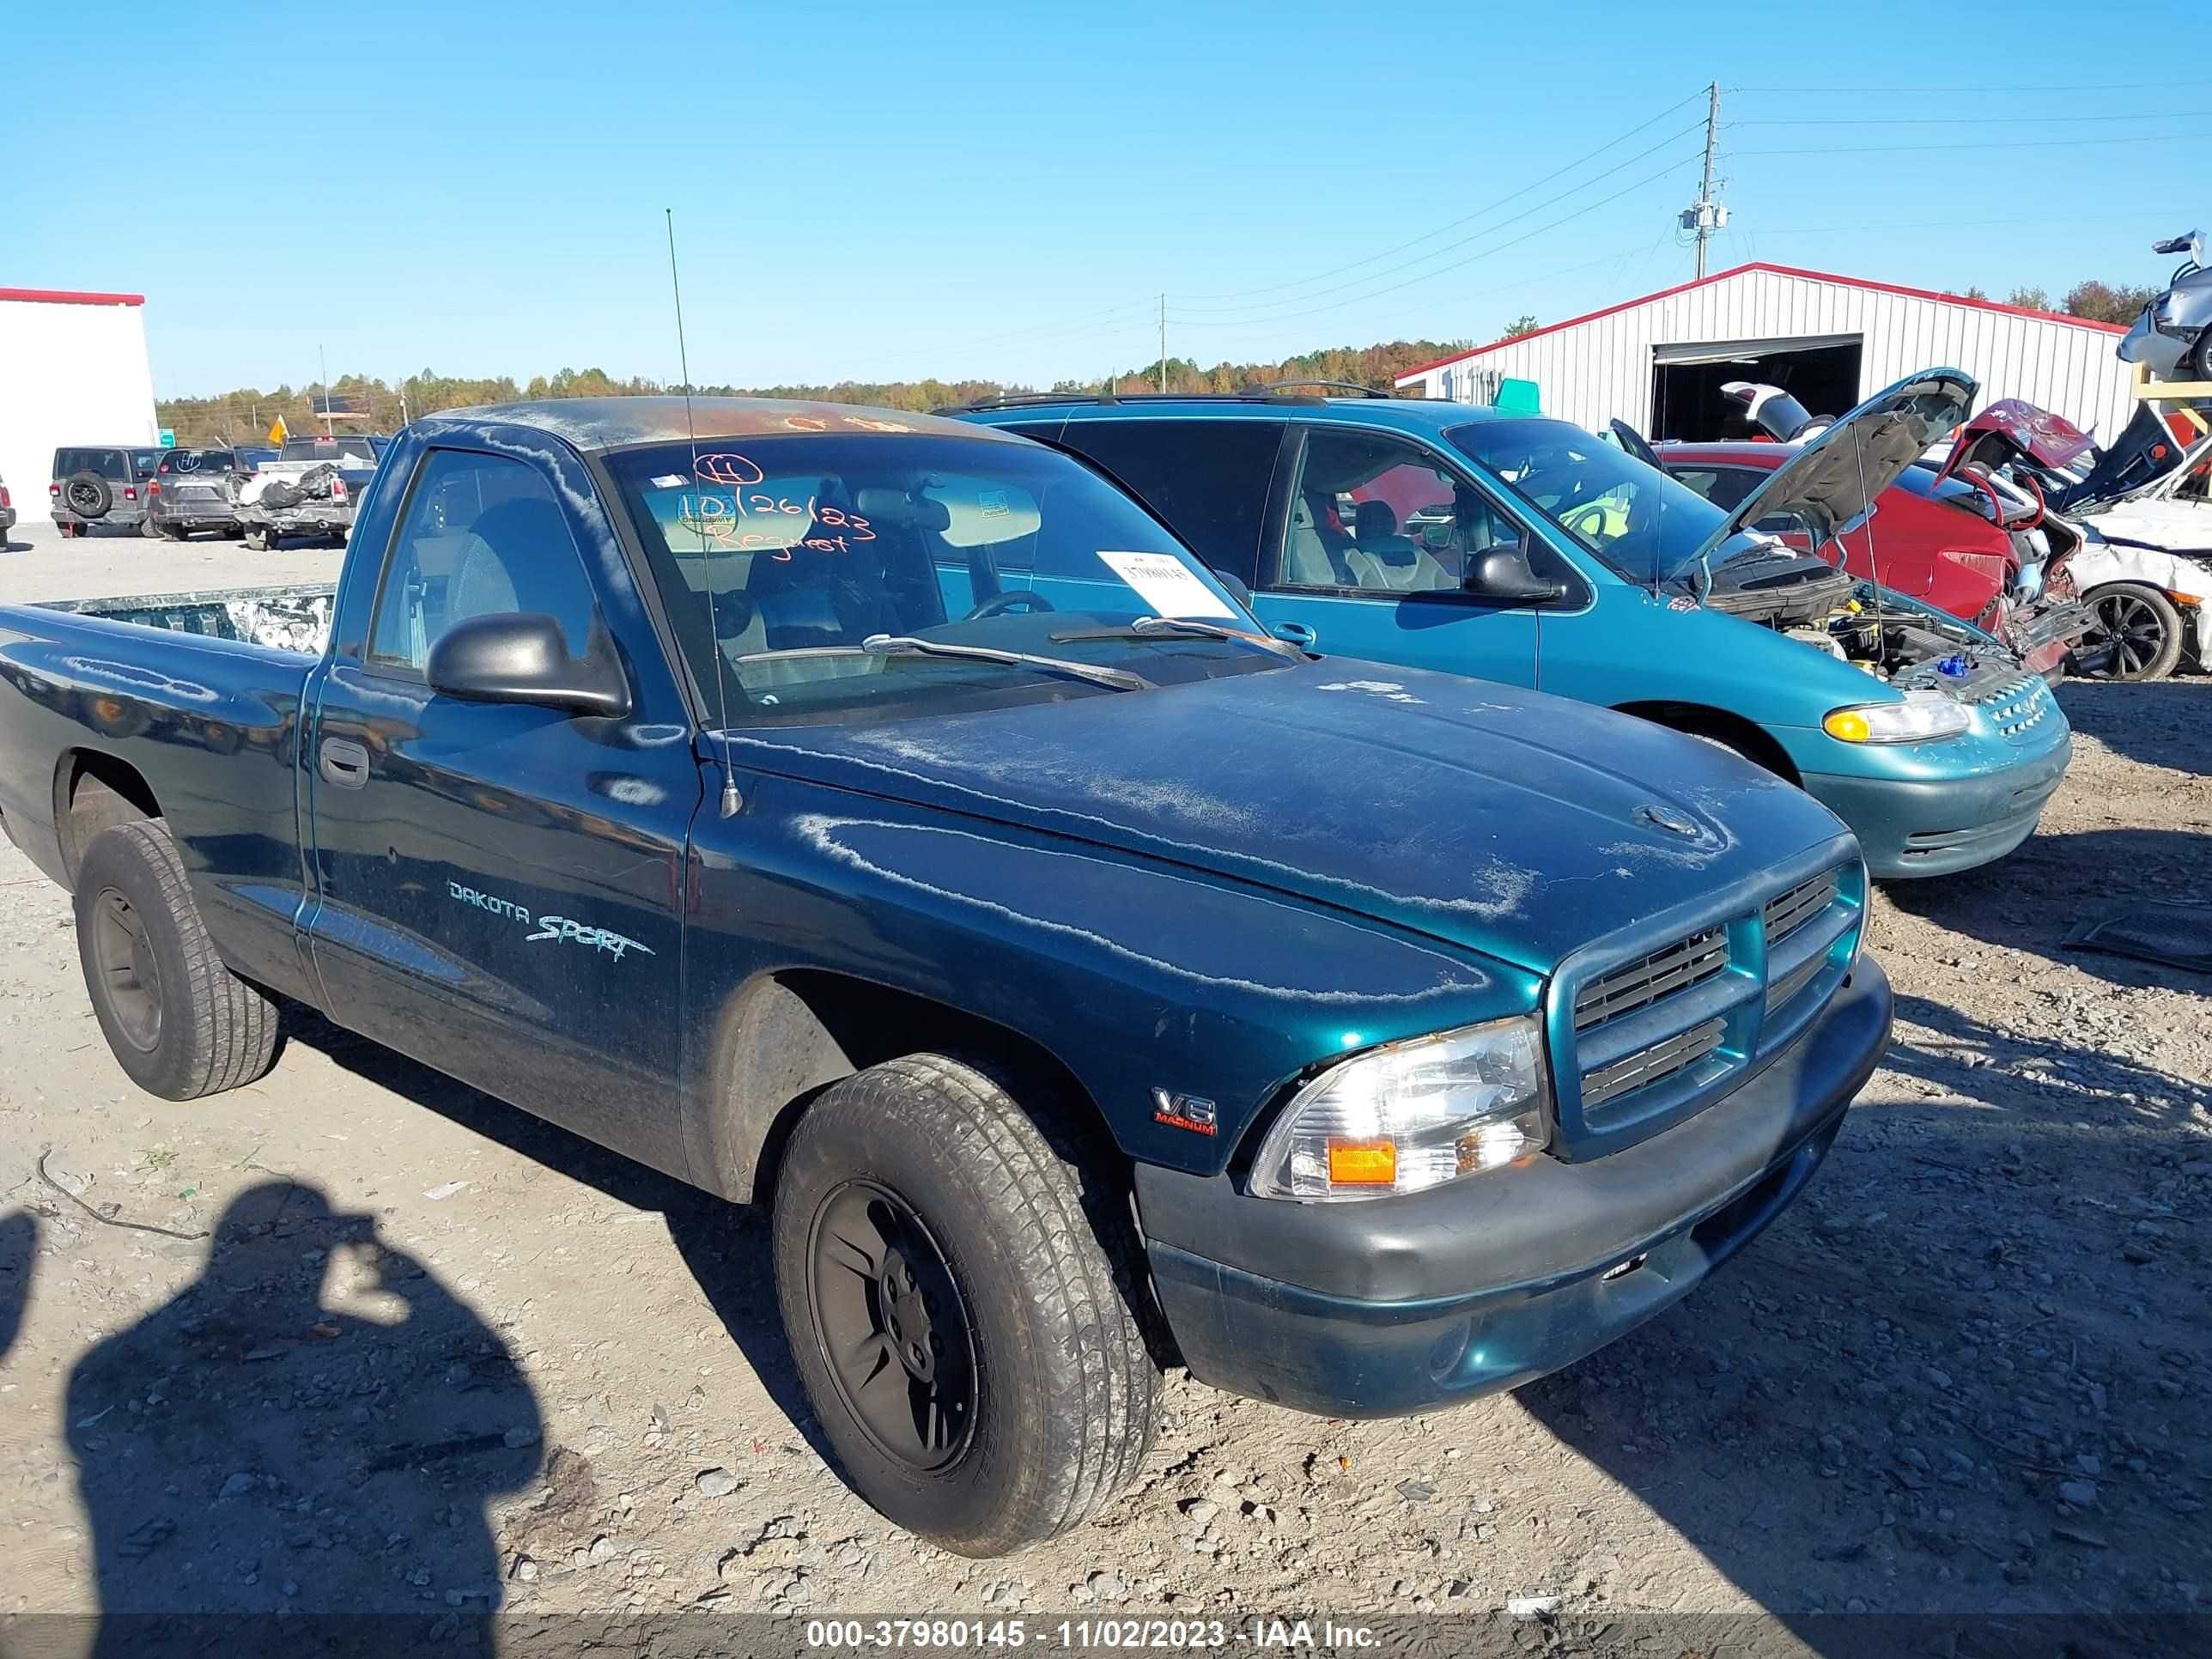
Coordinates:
(887, 820)
(1525, 551)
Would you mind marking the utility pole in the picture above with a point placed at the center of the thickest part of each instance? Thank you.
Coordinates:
(1164, 343)
(1708, 215)
(322, 360)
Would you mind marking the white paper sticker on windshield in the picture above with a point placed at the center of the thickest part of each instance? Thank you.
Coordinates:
(1167, 584)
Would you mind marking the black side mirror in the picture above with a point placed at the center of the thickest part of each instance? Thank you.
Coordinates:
(1237, 589)
(521, 656)
(1501, 576)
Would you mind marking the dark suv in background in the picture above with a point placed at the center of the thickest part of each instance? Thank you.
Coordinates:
(103, 484)
(194, 489)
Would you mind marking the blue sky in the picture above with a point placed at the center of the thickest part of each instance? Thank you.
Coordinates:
(877, 192)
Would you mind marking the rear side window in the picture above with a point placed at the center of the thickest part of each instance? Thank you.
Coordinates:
(482, 535)
(107, 463)
(1207, 479)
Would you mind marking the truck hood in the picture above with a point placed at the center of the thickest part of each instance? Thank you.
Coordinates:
(1833, 479)
(1515, 824)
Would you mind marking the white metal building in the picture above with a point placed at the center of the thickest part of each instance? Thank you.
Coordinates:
(1658, 362)
(73, 370)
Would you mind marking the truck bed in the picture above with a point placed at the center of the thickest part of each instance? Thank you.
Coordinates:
(294, 618)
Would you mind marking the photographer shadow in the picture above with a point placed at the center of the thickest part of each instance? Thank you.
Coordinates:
(311, 1431)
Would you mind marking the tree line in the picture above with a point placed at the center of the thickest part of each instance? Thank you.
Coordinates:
(371, 404)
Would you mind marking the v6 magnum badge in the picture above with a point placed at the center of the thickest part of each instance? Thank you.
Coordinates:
(559, 928)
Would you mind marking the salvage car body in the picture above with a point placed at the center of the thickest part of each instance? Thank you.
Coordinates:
(1968, 548)
(1203, 894)
(194, 489)
(1635, 593)
(2139, 508)
(2172, 336)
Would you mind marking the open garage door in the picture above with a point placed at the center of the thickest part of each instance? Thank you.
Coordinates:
(1821, 371)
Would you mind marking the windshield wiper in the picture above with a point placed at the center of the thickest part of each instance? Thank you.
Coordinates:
(1154, 627)
(905, 645)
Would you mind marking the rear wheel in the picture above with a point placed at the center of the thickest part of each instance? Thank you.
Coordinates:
(179, 1021)
(257, 538)
(148, 529)
(953, 1314)
(2142, 625)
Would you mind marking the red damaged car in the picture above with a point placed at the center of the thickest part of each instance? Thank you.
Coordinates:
(1979, 547)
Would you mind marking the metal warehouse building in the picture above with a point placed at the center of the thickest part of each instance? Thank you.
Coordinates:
(1658, 362)
(73, 370)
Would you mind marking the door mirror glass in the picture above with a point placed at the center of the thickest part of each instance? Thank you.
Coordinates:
(522, 656)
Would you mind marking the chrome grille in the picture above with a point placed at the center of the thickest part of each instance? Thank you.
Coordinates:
(1685, 1048)
(1787, 911)
(1682, 964)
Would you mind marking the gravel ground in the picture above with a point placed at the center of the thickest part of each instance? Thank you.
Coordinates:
(441, 1354)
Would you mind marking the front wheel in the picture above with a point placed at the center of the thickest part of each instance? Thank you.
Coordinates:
(2142, 625)
(2198, 366)
(179, 1021)
(257, 537)
(953, 1314)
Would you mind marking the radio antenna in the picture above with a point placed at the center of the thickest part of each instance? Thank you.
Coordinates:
(731, 800)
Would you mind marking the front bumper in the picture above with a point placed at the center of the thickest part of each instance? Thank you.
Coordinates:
(1910, 827)
(1387, 1306)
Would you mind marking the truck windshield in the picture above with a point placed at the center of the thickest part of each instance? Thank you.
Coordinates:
(1641, 524)
(783, 556)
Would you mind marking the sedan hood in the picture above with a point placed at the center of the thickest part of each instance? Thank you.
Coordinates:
(1831, 481)
(1512, 823)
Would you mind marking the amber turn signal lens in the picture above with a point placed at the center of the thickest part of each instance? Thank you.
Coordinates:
(1847, 725)
(1363, 1163)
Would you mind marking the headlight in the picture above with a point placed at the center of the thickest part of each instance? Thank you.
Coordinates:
(1412, 1114)
(1924, 714)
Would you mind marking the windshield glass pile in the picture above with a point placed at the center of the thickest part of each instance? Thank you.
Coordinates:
(1643, 524)
(870, 574)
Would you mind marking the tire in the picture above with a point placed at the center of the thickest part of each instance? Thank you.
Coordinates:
(1034, 1362)
(148, 529)
(2143, 623)
(88, 495)
(181, 1024)
(2197, 365)
(257, 538)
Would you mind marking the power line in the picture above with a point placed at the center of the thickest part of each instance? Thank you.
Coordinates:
(1472, 236)
(1537, 183)
(1541, 230)
(1965, 120)
(2181, 138)
(1995, 92)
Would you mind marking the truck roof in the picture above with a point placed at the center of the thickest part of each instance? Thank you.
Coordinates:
(595, 424)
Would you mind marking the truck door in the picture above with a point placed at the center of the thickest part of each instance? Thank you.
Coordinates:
(500, 886)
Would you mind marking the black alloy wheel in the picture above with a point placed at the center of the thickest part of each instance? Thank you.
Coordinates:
(893, 1325)
(2143, 628)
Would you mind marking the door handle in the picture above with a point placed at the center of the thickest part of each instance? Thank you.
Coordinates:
(344, 763)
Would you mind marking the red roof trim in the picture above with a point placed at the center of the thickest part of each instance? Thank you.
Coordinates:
(71, 296)
(1778, 271)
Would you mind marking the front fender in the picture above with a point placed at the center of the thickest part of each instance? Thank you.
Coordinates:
(1134, 973)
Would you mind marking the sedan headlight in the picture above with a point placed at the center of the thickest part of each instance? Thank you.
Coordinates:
(1412, 1114)
(1923, 715)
